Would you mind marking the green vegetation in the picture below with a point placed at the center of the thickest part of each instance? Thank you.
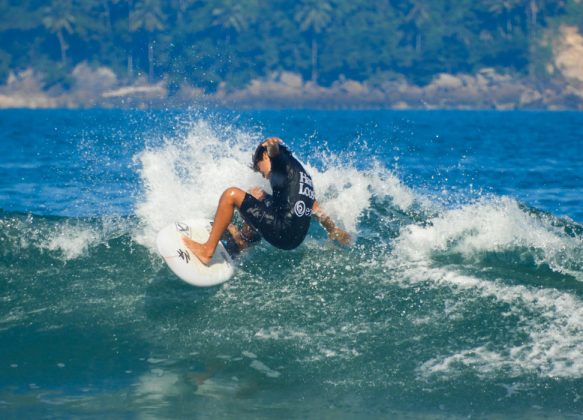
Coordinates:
(204, 42)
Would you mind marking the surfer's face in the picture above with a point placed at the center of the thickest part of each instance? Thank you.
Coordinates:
(264, 165)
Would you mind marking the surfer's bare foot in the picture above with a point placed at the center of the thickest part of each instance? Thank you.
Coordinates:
(199, 250)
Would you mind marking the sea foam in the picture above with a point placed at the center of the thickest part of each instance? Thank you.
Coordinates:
(555, 335)
(184, 177)
(500, 225)
(493, 225)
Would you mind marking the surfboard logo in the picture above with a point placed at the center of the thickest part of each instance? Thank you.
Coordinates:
(181, 227)
(184, 255)
(300, 208)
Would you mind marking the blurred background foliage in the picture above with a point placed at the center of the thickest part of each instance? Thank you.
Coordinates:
(204, 43)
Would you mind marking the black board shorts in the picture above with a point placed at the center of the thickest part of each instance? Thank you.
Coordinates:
(280, 230)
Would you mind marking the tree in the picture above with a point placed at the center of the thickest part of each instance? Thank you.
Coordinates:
(58, 18)
(181, 6)
(420, 16)
(531, 10)
(361, 41)
(211, 41)
(233, 16)
(104, 9)
(313, 17)
(148, 16)
(21, 16)
(573, 14)
(506, 8)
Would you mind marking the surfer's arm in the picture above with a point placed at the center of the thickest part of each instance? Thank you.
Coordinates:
(236, 234)
(244, 237)
(258, 193)
(334, 232)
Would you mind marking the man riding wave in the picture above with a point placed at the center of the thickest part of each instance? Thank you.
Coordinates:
(282, 218)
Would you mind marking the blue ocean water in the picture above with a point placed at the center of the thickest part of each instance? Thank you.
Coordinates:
(461, 295)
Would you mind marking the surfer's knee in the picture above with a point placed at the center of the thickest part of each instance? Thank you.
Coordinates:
(233, 196)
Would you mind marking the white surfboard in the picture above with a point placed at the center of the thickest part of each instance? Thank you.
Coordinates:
(184, 263)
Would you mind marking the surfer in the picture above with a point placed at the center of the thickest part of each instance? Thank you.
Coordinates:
(282, 219)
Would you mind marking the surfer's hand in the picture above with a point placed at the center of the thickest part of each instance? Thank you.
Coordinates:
(258, 193)
(271, 141)
(341, 236)
(272, 145)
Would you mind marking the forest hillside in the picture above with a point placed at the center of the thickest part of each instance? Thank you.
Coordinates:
(502, 54)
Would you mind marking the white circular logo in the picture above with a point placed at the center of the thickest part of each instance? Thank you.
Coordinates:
(300, 208)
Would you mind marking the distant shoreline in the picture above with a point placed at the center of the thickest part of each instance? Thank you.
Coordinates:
(287, 108)
(284, 107)
(486, 90)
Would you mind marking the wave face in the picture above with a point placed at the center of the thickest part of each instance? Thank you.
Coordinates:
(455, 299)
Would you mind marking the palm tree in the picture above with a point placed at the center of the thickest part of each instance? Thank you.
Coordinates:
(419, 16)
(531, 9)
(148, 16)
(107, 16)
(313, 17)
(533, 13)
(504, 7)
(181, 7)
(233, 16)
(58, 19)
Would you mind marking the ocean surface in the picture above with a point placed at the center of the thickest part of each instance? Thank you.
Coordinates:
(461, 296)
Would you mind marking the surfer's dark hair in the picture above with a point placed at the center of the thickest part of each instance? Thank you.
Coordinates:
(258, 155)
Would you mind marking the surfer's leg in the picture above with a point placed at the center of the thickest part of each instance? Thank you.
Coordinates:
(231, 199)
